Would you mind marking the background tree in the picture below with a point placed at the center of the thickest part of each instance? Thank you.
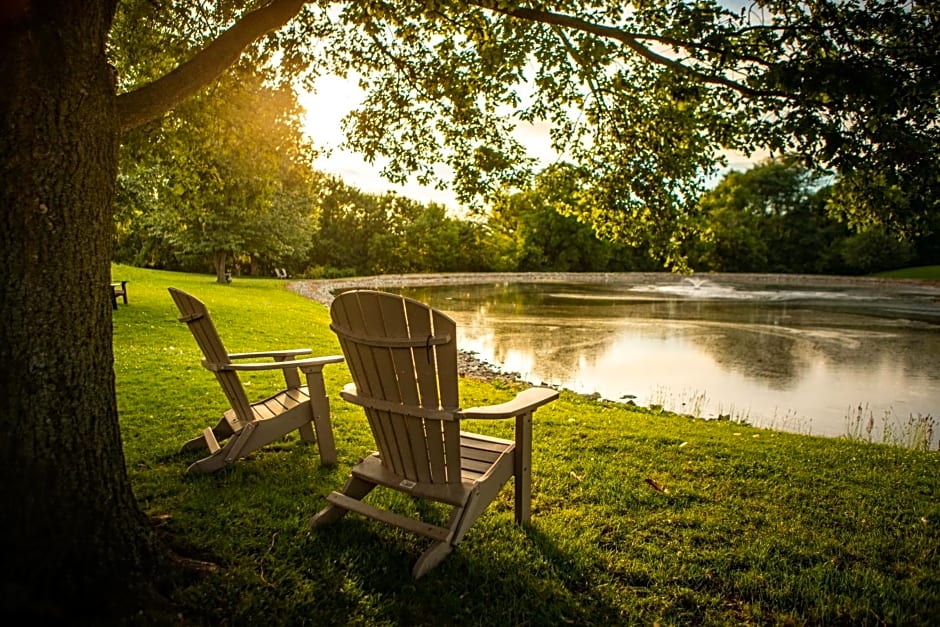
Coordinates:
(227, 175)
(359, 233)
(767, 219)
(780, 217)
(366, 234)
(731, 237)
(659, 89)
(872, 250)
(346, 221)
(545, 229)
(642, 96)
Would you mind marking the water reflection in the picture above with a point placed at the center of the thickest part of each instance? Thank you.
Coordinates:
(792, 357)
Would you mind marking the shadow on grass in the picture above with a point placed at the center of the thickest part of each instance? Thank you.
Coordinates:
(250, 520)
(517, 577)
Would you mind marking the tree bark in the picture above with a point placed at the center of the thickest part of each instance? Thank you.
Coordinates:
(74, 538)
(219, 262)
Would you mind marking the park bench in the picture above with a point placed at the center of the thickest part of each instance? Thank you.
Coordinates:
(118, 289)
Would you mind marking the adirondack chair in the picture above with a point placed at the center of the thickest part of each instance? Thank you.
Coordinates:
(249, 426)
(403, 358)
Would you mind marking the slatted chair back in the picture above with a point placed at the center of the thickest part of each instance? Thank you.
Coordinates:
(196, 316)
(402, 355)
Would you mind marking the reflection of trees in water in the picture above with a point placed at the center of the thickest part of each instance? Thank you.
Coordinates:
(777, 346)
(505, 297)
(555, 350)
(746, 338)
(543, 328)
(774, 357)
(558, 350)
(773, 343)
(777, 356)
(913, 351)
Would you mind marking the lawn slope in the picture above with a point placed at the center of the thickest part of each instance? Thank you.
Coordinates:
(639, 517)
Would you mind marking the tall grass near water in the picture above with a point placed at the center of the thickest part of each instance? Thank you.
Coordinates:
(917, 432)
(693, 403)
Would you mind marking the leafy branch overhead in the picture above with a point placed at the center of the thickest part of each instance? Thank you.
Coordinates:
(642, 97)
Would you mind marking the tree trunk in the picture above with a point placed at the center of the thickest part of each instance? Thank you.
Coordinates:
(74, 538)
(219, 262)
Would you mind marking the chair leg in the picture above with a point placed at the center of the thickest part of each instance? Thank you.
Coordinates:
(209, 464)
(522, 469)
(221, 456)
(306, 433)
(320, 406)
(462, 518)
(233, 450)
(354, 488)
(195, 443)
(222, 431)
(431, 558)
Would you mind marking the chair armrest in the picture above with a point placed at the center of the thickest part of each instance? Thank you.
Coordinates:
(524, 402)
(291, 353)
(277, 365)
(317, 361)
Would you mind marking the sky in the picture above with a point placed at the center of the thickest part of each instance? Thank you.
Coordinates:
(336, 96)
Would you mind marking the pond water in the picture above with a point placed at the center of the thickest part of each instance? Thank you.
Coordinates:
(798, 354)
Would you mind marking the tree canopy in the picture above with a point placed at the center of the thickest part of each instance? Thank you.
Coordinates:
(642, 97)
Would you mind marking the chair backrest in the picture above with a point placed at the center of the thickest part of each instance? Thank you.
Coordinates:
(403, 354)
(194, 313)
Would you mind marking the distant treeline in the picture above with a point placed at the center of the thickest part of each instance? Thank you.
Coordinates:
(772, 218)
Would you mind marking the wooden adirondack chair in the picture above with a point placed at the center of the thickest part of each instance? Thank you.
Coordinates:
(403, 358)
(249, 426)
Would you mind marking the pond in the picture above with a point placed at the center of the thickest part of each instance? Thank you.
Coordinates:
(823, 356)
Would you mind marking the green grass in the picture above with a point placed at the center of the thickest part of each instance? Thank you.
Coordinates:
(754, 526)
(921, 272)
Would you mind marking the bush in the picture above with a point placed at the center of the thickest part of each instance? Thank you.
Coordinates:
(872, 251)
(328, 272)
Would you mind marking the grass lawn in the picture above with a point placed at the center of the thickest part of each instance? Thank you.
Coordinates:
(752, 526)
(920, 272)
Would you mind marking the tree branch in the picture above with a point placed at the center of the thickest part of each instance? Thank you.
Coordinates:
(152, 100)
(631, 40)
(580, 60)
